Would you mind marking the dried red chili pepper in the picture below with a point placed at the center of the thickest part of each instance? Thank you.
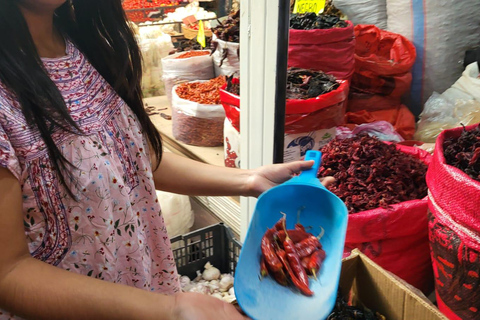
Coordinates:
(295, 263)
(299, 226)
(305, 261)
(295, 235)
(282, 255)
(279, 225)
(307, 246)
(268, 251)
(316, 261)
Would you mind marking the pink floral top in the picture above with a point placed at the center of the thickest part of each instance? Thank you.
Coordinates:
(115, 232)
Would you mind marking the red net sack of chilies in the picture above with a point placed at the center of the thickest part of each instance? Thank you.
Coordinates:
(454, 223)
(395, 236)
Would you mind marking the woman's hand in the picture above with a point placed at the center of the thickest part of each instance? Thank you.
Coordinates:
(197, 306)
(266, 177)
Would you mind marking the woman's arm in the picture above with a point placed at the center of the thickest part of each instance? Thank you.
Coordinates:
(35, 290)
(178, 174)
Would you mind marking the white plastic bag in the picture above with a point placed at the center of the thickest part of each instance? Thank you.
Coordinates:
(468, 85)
(442, 31)
(176, 71)
(231, 145)
(444, 111)
(197, 124)
(177, 212)
(229, 65)
(154, 46)
(364, 11)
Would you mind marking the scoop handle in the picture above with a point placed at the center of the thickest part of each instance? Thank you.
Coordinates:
(310, 175)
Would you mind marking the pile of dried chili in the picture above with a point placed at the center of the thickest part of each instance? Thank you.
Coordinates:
(301, 84)
(464, 152)
(343, 311)
(229, 29)
(307, 84)
(189, 45)
(191, 54)
(371, 174)
(310, 21)
(289, 256)
(202, 92)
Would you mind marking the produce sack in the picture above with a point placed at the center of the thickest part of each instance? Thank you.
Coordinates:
(441, 32)
(400, 117)
(154, 46)
(396, 238)
(176, 212)
(364, 11)
(309, 124)
(176, 71)
(197, 124)
(226, 57)
(454, 230)
(383, 61)
(328, 50)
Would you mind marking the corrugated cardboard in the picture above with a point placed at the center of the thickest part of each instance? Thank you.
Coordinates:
(381, 291)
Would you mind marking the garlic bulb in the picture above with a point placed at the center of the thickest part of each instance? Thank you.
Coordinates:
(210, 273)
(226, 282)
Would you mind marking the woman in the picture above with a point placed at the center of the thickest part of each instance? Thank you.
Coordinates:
(79, 164)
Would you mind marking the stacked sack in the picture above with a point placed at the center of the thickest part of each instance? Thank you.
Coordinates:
(383, 62)
(454, 224)
(311, 116)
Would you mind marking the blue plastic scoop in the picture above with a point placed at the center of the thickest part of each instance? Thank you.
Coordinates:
(264, 299)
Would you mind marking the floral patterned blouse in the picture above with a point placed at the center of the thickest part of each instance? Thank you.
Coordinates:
(115, 231)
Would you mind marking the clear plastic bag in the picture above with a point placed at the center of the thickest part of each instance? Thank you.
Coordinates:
(445, 111)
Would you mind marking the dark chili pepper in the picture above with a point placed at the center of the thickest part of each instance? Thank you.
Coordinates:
(307, 246)
(280, 277)
(295, 235)
(263, 267)
(282, 255)
(316, 261)
(268, 252)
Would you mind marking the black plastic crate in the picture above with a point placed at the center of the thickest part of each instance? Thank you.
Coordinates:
(215, 244)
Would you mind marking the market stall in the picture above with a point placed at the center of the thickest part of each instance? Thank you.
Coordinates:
(350, 90)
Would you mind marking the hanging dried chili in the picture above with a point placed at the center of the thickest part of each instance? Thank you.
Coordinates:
(371, 174)
(464, 152)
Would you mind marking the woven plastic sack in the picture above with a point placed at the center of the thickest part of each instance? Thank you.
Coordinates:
(309, 124)
(197, 124)
(454, 231)
(364, 11)
(383, 61)
(441, 31)
(176, 71)
(231, 63)
(328, 50)
(396, 238)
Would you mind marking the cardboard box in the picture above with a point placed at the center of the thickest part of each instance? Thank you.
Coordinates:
(379, 290)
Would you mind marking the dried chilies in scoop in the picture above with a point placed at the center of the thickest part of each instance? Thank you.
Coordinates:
(371, 174)
(289, 256)
(464, 152)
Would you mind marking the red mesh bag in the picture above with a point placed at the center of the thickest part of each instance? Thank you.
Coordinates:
(454, 232)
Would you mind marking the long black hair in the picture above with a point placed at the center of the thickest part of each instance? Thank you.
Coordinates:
(100, 30)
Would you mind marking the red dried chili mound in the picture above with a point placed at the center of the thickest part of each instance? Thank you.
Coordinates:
(464, 152)
(193, 54)
(371, 174)
(202, 92)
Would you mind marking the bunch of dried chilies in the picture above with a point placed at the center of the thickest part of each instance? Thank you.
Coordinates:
(189, 45)
(464, 152)
(371, 174)
(289, 256)
(343, 311)
(229, 31)
(310, 21)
